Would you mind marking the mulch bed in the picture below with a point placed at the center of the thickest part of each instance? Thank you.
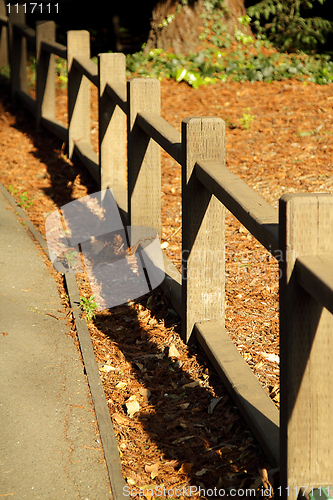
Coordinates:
(177, 437)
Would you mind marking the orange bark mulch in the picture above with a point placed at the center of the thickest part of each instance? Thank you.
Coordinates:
(175, 424)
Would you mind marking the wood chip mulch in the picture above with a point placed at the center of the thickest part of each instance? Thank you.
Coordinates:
(175, 424)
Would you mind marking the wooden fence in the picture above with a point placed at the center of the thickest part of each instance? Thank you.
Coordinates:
(299, 235)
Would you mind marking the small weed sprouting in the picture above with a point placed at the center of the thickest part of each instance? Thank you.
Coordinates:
(61, 72)
(246, 120)
(24, 201)
(12, 191)
(71, 258)
(89, 305)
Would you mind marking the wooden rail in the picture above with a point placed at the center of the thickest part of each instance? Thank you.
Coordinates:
(299, 235)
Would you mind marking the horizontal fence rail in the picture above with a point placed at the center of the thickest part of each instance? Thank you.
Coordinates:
(258, 216)
(299, 235)
(55, 48)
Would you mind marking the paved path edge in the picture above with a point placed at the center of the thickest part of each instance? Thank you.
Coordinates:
(105, 426)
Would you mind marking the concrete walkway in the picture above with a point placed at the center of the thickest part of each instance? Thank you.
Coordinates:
(49, 443)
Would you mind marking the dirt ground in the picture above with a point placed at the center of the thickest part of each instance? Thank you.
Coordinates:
(176, 439)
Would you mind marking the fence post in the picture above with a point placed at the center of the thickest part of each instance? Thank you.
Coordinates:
(203, 253)
(17, 51)
(112, 123)
(45, 69)
(306, 349)
(3, 37)
(144, 159)
(78, 44)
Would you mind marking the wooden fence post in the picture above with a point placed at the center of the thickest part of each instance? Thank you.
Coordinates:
(45, 69)
(78, 44)
(112, 124)
(203, 253)
(17, 51)
(306, 349)
(144, 159)
(3, 37)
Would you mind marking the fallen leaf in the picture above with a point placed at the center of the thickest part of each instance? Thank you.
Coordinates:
(196, 383)
(132, 406)
(157, 356)
(181, 440)
(145, 393)
(107, 369)
(121, 385)
(133, 478)
(164, 245)
(185, 468)
(119, 419)
(201, 472)
(212, 404)
(170, 463)
(173, 352)
(152, 467)
(273, 358)
(184, 406)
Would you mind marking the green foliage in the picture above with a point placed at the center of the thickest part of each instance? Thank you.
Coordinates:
(12, 191)
(246, 120)
(281, 22)
(4, 74)
(89, 305)
(70, 256)
(215, 30)
(211, 65)
(240, 37)
(61, 72)
(24, 201)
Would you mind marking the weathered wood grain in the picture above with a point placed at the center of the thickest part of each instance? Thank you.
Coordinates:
(162, 132)
(259, 411)
(306, 347)
(203, 253)
(88, 68)
(55, 48)
(17, 52)
(45, 72)
(258, 216)
(315, 275)
(144, 158)
(78, 44)
(112, 124)
(118, 93)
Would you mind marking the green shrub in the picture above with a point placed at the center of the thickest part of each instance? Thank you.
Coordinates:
(210, 65)
(281, 22)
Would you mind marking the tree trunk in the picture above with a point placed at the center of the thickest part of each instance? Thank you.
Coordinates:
(177, 27)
